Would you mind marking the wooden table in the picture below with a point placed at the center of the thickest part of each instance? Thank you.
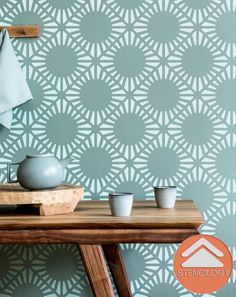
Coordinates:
(98, 234)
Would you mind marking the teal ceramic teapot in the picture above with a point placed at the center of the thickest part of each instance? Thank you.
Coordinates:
(38, 172)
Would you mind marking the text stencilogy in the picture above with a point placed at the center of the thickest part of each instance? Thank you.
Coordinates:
(202, 272)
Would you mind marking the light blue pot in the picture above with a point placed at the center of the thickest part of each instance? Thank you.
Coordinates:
(38, 172)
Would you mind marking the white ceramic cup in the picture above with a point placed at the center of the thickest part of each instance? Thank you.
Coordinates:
(165, 196)
(121, 204)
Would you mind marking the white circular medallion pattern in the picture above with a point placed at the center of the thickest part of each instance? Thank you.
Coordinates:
(139, 93)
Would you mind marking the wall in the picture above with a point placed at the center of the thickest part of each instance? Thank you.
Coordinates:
(140, 93)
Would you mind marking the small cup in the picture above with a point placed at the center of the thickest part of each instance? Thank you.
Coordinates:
(121, 204)
(165, 196)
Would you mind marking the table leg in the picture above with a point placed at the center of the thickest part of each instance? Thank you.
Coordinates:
(115, 262)
(96, 269)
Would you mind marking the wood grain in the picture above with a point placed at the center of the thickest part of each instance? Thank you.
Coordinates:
(97, 215)
(115, 262)
(30, 31)
(99, 236)
(60, 200)
(92, 226)
(96, 269)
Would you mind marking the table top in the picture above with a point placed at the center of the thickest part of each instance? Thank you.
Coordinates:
(97, 215)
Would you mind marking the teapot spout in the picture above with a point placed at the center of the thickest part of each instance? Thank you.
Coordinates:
(65, 162)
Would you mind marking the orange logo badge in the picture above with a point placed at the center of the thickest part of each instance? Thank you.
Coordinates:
(202, 264)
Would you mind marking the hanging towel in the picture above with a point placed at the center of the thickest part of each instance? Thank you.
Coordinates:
(14, 89)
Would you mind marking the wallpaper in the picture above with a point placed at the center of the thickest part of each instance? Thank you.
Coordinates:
(140, 93)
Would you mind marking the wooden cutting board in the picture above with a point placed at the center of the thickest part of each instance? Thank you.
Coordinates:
(62, 199)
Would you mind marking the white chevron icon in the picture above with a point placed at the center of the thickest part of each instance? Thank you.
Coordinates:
(204, 256)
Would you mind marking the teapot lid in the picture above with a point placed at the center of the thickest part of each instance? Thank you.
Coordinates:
(39, 156)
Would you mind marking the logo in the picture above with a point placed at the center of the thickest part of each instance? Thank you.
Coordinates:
(202, 264)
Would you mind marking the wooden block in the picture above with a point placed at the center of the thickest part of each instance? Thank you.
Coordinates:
(30, 31)
(96, 269)
(62, 199)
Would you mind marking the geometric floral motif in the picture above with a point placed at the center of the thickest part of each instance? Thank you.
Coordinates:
(139, 93)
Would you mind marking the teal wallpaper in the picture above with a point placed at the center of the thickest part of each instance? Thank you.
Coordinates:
(140, 93)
